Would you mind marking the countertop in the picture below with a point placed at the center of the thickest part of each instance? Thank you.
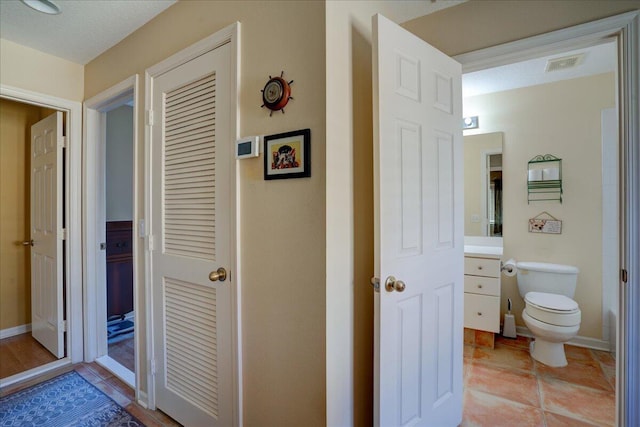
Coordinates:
(483, 251)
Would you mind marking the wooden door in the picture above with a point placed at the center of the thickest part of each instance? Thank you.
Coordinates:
(47, 310)
(191, 158)
(418, 231)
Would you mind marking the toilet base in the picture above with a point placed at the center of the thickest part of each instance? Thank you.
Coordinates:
(549, 353)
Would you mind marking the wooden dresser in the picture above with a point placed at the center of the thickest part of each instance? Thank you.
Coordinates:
(119, 268)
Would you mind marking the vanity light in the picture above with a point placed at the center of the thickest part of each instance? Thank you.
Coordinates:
(470, 122)
(44, 6)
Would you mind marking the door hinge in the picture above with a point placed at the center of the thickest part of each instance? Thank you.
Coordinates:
(150, 242)
(152, 365)
(64, 326)
(375, 282)
(623, 275)
(149, 118)
(63, 234)
(64, 142)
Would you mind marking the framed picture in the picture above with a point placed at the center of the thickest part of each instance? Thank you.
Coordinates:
(545, 223)
(287, 155)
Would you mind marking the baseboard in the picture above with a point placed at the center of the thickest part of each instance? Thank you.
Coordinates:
(16, 330)
(578, 341)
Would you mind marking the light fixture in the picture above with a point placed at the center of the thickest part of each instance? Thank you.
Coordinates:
(44, 6)
(470, 122)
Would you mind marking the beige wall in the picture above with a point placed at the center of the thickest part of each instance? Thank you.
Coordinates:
(282, 247)
(474, 147)
(16, 120)
(119, 164)
(479, 24)
(29, 69)
(562, 119)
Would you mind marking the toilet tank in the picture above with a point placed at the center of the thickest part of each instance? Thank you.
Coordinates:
(545, 277)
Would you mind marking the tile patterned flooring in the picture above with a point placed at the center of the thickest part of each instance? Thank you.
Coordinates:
(504, 386)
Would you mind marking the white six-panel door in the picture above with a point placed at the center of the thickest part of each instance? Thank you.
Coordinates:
(191, 158)
(47, 312)
(418, 231)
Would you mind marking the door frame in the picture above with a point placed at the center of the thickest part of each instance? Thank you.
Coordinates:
(94, 220)
(72, 207)
(624, 28)
(228, 35)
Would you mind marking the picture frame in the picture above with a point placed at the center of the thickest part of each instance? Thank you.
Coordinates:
(287, 155)
(545, 223)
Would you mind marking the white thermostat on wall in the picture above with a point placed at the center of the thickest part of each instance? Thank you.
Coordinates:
(248, 147)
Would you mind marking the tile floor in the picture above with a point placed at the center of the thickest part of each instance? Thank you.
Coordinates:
(110, 385)
(504, 386)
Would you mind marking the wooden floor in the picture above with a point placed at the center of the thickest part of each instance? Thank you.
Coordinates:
(117, 390)
(21, 353)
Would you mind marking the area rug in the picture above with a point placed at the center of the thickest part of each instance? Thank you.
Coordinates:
(66, 400)
(119, 330)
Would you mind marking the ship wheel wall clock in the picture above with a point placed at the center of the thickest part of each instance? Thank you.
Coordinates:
(276, 93)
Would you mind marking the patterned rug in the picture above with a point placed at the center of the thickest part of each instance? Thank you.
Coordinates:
(66, 400)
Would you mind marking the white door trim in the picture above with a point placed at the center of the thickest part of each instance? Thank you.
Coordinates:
(73, 246)
(626, 29)
(231, 35)
(94, 219)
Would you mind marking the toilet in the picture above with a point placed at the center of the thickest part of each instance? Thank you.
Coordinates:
(550, 313)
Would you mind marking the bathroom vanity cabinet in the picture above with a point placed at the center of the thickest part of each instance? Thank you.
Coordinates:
(482, 292)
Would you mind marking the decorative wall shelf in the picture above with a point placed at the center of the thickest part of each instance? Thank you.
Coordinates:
(544, 179)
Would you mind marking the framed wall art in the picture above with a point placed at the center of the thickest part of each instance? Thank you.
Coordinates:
(287, 155)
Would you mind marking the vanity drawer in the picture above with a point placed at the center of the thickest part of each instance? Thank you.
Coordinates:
(482, 267)
(482, 312)
(482, 285)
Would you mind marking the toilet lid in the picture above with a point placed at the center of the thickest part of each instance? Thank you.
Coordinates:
(553, 302)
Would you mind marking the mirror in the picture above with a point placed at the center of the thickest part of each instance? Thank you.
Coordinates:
(483, 185)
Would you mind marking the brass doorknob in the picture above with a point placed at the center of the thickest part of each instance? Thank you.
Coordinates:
(220, 274)
(391, 284)
(28, 243)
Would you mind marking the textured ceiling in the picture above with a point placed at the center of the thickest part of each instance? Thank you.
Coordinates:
(598, 59)
(83, 30)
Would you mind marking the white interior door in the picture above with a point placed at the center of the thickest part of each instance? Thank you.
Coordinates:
(191, 158)
(417, 106)
(47, 312)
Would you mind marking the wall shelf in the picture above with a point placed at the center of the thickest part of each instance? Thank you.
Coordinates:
(544, 179)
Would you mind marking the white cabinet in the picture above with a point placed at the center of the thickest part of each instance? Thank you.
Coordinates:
(482, 293)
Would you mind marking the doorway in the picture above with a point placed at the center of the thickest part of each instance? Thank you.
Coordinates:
(16, 244)
(110, 230)
(25, 108)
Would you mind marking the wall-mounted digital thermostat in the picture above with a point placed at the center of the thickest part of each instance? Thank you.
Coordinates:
(248, 147)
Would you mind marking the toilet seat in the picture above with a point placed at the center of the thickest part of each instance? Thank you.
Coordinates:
(553, 309)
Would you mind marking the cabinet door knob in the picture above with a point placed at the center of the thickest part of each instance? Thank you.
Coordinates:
(479, 286)
(479, 267)
(479, 314)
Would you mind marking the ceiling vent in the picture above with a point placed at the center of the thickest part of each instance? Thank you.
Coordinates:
(564, 63)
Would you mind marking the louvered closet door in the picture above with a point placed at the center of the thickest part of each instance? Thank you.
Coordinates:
(191, 152)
